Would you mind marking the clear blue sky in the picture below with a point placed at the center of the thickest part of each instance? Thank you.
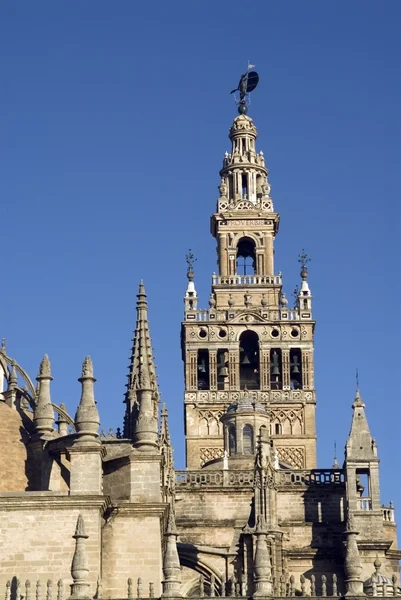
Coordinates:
(114, 121)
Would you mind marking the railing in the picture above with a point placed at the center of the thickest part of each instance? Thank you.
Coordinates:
(197, 478)
(364, 503)
(388, 513)
(202, 315)
(315, 477)
(247, 280)
(245, 478)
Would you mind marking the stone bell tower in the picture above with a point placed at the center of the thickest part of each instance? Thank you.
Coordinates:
(249, 341)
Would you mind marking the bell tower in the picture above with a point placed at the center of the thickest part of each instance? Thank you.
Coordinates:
(249, 342)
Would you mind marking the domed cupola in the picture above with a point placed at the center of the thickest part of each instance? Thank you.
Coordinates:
(243, 422)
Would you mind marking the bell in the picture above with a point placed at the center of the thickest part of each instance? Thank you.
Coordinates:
(222, 372)
(245, 361)
(275, 369)
(295, 366)
(202, 367)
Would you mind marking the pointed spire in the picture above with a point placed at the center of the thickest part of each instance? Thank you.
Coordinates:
(87, 416)
(3, 348)
(79, 566)
(360, 442)
(43, 416)
(142, 394)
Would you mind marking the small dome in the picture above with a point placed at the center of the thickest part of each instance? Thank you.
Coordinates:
(378, 580)
(13, 452)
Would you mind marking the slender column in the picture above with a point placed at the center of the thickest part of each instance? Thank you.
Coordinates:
(286, 369)
(265, 370)
(233, 366)
(192, 370)
(223, 254)
(213, 369)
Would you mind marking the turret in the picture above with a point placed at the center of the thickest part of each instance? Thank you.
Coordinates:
(361, 463)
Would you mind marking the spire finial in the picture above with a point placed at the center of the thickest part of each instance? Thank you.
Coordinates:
(87, 416)
(247, 83)
(303, 260)
(190, 260)
(3, 348)
(358, 402)
(357, 378)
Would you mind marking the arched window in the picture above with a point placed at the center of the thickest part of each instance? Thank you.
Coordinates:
(249, 361)
(246, 257)
(231, 440)
(247, 439)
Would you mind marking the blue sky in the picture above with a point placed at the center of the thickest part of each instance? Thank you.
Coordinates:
(114, 120)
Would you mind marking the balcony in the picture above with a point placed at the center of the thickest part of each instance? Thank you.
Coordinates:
(247, 280)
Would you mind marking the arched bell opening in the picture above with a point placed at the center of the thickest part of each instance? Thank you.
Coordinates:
(276, 369)
(246, 257)
(249, 361)
(296, 368)
(203, 369)
(222, 369)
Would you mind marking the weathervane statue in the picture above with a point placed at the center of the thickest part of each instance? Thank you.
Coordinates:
(248, 82)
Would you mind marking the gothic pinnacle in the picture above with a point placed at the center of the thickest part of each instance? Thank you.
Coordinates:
(43, 414)
(13, 380)
(87, 416)
(164, 434)
(142, 394)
